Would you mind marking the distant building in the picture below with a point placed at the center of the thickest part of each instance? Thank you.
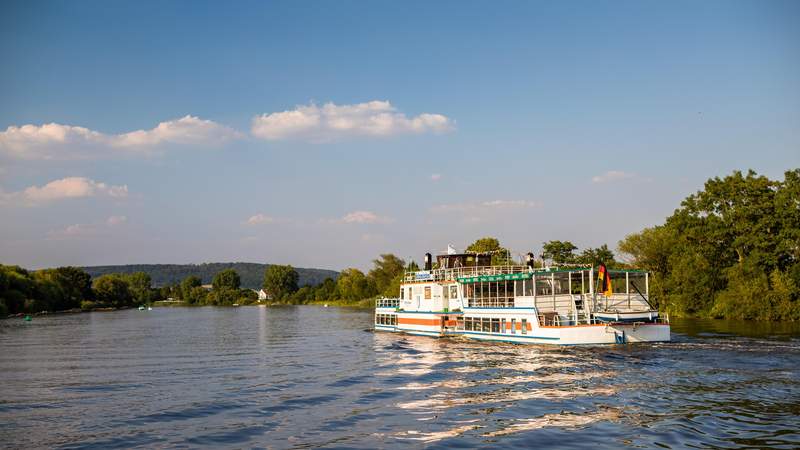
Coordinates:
(207, 287)
(264, 295)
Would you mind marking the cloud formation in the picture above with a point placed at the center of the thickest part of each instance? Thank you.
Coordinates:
(55, 141)
(65, 188)
(364, 217)
(82, 230)
(259, 219)
(613, 175)
(330, 122)
(484, 206)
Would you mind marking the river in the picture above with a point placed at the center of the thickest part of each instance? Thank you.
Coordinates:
(298, 377)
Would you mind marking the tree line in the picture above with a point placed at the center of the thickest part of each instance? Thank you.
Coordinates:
(731, 250)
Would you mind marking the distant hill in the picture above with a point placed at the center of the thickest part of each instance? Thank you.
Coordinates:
(252, 274)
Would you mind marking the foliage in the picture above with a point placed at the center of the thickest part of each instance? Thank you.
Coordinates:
(113, 290)
(559, 252)
(387, 274)
(227, 279)
(354, 285)
(500, 255)
(252, 274)
(731, 250)
(280, 281)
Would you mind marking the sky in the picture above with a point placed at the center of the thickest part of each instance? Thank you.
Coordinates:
(322, 134)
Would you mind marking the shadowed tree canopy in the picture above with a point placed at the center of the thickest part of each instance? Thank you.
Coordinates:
(387, 274)
(226, 279)
(500, 255)
(280, 281)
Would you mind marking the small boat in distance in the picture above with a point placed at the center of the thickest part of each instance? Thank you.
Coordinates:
(566, 305)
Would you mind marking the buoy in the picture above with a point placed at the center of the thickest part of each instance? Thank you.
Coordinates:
(141, 308)
(27, 318)
(149, 308)
(325, 305)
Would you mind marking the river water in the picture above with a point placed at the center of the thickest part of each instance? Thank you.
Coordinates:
(298, 377)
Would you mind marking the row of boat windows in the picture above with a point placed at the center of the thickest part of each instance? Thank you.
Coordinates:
(492, 325)
(386, 319)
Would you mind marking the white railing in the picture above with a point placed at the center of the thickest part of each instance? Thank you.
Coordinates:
(387, 303)
(458, 272)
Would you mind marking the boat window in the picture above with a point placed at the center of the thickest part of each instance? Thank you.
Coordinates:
(460, 323)
(524, 326)
(513, 326)
(486, 324)
(454, 291)
(495, 325)
(402, 292)
(468, 323)
(503, 325)
(427, 292)
(445, 293)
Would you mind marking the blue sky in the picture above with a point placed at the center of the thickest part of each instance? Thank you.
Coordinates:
(324, 133)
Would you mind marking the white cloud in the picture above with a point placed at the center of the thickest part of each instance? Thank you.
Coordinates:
(259, 219)
(364, 217)
(436, 177)
(330, 121)
(484, 206)
(116, 220)
(73, 231)
(65, 188)
(613, 175)
(58, 142)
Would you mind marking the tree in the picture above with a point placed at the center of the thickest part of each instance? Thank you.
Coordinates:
(326, 290)
(730, 250)
(500, 255)
(353, 285)
(280, 281)
(597, 256)
(112, 290)
(559, 251)
(191, 290)
(226, 279)
(387, 272)
(139, 286)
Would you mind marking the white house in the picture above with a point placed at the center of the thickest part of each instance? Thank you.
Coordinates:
(263, 295)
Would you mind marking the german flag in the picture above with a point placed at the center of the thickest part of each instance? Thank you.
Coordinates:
(604, 281)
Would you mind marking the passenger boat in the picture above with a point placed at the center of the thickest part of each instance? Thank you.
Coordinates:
(465, 295)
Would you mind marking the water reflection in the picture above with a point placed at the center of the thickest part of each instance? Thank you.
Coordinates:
(312, 377)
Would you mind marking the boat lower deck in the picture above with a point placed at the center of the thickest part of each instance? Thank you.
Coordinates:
(517, 326)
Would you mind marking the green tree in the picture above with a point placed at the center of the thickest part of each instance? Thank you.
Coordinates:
(187, 285)
(597, 256)
(326, 290)
(353, 285)
(559, 251)
(730, 250)
(280, 281)
(226, 279)
(112, 290)
(386, 274)
(139, 286)
(500, 255)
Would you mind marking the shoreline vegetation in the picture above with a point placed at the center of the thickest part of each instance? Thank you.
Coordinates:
(731, 250)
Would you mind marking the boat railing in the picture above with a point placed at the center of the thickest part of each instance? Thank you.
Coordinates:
(623, 302)
(458, 272)
(387, 303)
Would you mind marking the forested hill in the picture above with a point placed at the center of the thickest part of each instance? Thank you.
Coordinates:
(252, 274)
